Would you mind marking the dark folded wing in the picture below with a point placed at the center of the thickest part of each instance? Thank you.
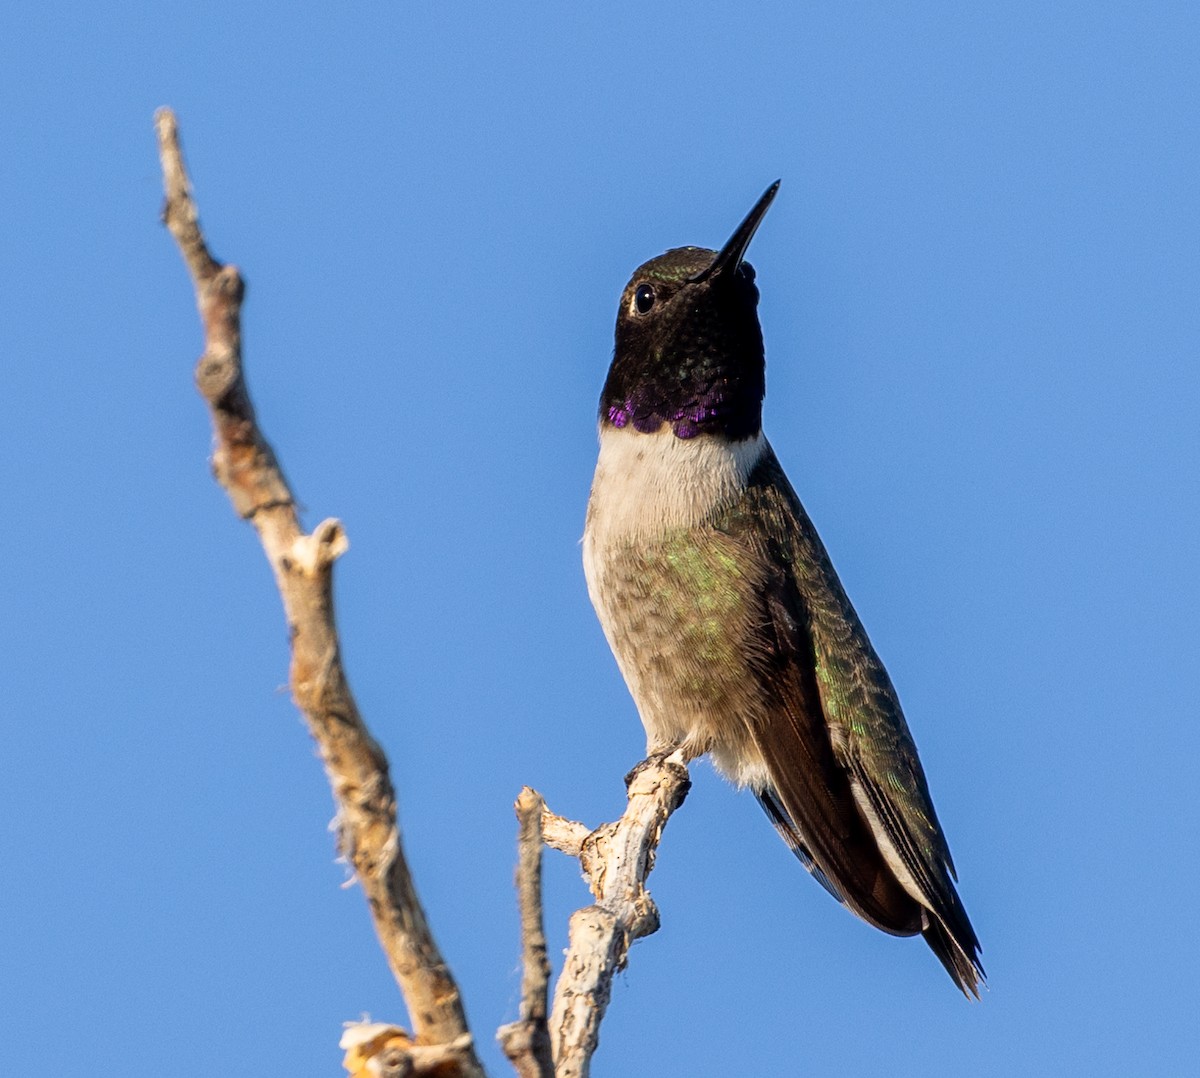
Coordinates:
(810, 799)
(871, 826)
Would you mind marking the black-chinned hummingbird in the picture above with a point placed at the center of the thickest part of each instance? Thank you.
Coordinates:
(726, 616)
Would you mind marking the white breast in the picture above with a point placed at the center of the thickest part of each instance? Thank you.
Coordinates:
(648, 483)
(647, 489)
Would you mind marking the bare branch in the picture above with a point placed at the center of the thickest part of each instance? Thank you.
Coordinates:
(616, 859)
(245, 465)
(527, 1042)
(559, 833)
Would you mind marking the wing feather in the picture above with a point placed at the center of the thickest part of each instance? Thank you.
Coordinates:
(843, 763)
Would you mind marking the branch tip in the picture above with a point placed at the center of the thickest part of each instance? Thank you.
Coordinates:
(526, 1042)
(246, 466)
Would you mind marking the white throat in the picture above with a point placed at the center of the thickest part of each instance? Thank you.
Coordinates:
(646, 483)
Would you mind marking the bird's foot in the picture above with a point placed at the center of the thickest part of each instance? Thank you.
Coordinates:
(668, 754)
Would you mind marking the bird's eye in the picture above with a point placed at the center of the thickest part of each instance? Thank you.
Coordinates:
(643, 298)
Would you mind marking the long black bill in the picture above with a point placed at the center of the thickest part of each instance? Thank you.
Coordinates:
(730, 256)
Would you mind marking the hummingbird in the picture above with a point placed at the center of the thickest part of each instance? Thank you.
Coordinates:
(726, 617)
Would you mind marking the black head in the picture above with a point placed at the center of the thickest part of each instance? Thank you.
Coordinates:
(689, 349)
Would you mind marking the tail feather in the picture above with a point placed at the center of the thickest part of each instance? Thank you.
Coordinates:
(964, 968)
(787, 831)
(957, 949)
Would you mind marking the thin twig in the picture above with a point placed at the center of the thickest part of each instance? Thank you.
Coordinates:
(616, 859)
(246, 467)
(559, 833)
(526, 1042)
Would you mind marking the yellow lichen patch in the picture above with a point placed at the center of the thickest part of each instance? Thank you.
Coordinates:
(364, 1041)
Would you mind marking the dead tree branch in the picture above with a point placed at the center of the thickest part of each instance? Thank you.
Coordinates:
(616, 859)
(526, 1042)
(246, 467)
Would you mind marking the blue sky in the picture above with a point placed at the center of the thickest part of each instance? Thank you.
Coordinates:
(979, 297)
